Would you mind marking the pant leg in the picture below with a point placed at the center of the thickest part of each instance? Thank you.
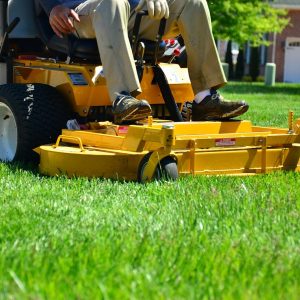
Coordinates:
(107, 20)
(191, 19)
(204, 64)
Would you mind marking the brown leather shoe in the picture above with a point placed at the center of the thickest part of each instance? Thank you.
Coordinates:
(214, 107)
(127, 108)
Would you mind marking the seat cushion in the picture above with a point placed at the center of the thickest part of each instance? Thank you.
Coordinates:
(75, 48)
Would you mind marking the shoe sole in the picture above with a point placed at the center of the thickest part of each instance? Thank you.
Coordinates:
(235, 113)
(239, 111)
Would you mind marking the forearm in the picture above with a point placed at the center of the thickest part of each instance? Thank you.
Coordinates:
(49, 4)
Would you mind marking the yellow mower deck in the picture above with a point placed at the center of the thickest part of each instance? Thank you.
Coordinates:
(199, 148)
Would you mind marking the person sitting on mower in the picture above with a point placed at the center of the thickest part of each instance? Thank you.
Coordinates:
(109, 21)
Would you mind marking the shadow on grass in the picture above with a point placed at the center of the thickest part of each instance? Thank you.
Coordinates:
(260, 88)
(31, 168)
(16, 167)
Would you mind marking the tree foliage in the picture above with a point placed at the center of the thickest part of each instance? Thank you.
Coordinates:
(245, 20)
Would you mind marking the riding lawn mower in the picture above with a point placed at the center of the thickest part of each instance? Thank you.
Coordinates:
(55, 110)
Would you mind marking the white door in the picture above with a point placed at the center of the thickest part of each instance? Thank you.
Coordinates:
(292, 60)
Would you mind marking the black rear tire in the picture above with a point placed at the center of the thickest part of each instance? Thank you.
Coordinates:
(38, 112)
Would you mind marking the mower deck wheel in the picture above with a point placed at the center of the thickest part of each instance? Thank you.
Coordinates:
(166, 170)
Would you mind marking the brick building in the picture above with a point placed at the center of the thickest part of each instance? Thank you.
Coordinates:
(285, 48)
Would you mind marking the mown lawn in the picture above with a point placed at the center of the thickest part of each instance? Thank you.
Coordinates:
(197, 238)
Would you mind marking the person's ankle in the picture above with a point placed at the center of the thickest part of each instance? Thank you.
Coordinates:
(200, 96)
(120, 96)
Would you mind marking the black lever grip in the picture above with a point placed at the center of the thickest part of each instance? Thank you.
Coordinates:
(136, 29)
(12, 25)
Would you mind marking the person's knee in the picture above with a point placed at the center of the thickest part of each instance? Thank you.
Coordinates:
(200, 2)
(196, 8)
(196, 3)
(112, 5)
(121, 3)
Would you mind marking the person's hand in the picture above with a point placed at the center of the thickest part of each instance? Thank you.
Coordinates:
(157, 9)
(60, 20)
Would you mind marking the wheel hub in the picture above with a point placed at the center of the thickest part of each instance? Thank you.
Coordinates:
(8, 133)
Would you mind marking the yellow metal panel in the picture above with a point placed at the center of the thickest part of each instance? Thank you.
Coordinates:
(56, 75)
(280, 139)
(153, 135)
(271, 129)
(235, 140)
(175, 74)
(134, 139)
(71, 162)
(163, 136)
(292, 159)
(137, 136)
(296, 129)
(93, 93)
(238, 161)
(151, 92)
(192, 128)
(96, 139)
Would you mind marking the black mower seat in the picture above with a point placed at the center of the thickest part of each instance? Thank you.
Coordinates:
(85, 49)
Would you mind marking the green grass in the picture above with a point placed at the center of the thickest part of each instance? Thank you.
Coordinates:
(197, 238)
(269, 106)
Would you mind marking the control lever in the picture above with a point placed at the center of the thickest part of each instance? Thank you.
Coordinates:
(136, 29)
(140, 60)
(8, 30)
(140, 53)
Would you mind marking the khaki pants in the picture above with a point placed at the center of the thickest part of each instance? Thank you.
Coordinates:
(109, 21)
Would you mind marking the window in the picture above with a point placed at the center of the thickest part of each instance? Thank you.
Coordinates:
(294, 44)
